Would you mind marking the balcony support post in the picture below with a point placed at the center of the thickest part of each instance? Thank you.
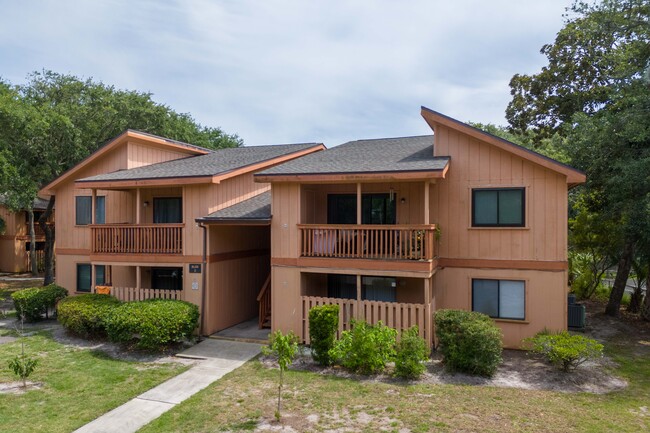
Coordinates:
(138, 207)
(427, 188)
(93, 205)
(138, 277)
(358, 305)
(93, 273)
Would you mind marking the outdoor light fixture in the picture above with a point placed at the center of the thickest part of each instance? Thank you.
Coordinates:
(145, 204)
(403, 200)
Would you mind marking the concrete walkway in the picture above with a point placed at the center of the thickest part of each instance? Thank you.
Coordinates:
(217, 358)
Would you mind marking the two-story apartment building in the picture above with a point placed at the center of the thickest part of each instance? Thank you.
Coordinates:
(15, 241)
(389, 229)
(128, 219)
(394, 229)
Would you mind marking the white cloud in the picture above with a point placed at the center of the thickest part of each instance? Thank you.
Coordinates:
(284, 71)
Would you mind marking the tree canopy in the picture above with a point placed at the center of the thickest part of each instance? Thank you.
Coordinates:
(53, 121)
(594, 94)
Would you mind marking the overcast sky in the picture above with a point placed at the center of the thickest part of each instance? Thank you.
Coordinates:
(291, 71)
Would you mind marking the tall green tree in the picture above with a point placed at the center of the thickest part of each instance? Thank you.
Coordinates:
(53, 121)
(593, 93)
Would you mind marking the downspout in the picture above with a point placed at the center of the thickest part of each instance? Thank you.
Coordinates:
(203, 277)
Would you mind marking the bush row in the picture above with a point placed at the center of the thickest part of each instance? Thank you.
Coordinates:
(366, 348)
(152, 323)
(35, 302)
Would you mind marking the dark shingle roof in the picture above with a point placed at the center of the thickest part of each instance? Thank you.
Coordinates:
(257, 208)
(218, 162)
(367, 156)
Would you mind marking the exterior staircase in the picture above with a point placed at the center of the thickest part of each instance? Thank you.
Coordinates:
(264, 302)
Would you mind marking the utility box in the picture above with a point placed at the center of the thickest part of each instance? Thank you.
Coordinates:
(577, 315)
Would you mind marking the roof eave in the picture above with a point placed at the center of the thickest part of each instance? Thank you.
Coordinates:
(351, 176)
(111, 144)
(235, 221)
(434, 118)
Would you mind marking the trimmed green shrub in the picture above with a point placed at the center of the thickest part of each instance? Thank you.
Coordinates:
(365, 349)
(154, 323)
(323, 323)
(33, 303)
(411, 353)
(564, 350)
(86, 314)
(470, 342)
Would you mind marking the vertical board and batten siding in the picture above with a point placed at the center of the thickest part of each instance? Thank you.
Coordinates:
(239, 265)
(67, 234)
(141, 154)
(314, 199)
(475, 164)
(202, 200)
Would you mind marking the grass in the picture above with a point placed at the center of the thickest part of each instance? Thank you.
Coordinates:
(245, 397)
(78, 385)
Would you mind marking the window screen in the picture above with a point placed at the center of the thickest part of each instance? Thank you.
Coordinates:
(498, 207)
(503, 299)
(83, 277)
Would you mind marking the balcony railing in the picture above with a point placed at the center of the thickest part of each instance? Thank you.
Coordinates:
(392, 242)
(137, 239)
(398, 315)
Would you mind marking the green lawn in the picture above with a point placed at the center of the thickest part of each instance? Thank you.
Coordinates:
(78, 385)
(244, 398)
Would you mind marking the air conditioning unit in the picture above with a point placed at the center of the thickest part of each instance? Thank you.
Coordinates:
(577, 315)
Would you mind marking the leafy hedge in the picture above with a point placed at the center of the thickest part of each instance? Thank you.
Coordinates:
(323, 324)
(411, 353)
(86, 314)
(469, 341)
(365, 349)
(33, 303)
(153, 323)
(564, 350)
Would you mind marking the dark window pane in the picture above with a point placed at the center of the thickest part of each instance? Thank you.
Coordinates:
(511, 299)
(83, 215)
(167, 210)
(100, 275)
(485, 207)
(341, 209)
(511, 206)
(100, 210)
(485, 297)
(377, 209)
(342, 286)
(83, 278)
(379, 289)
(167, 278)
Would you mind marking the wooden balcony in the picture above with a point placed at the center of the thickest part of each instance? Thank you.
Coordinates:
(351, 241)
(137, 239)
(400, 316)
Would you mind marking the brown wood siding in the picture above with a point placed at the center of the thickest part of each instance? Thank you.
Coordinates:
(545, 298)
(478, 165)
(235, 279)
(314, 200)
(140, 154)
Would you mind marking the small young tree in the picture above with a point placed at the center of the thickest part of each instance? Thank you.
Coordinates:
(22, 365)
(285, 348)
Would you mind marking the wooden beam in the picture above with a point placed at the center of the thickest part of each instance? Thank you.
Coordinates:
(138, 277)
(427, 187)
(93, 209)
(138, 206)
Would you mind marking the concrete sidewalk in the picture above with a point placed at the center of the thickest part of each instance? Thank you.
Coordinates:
(217, 358)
